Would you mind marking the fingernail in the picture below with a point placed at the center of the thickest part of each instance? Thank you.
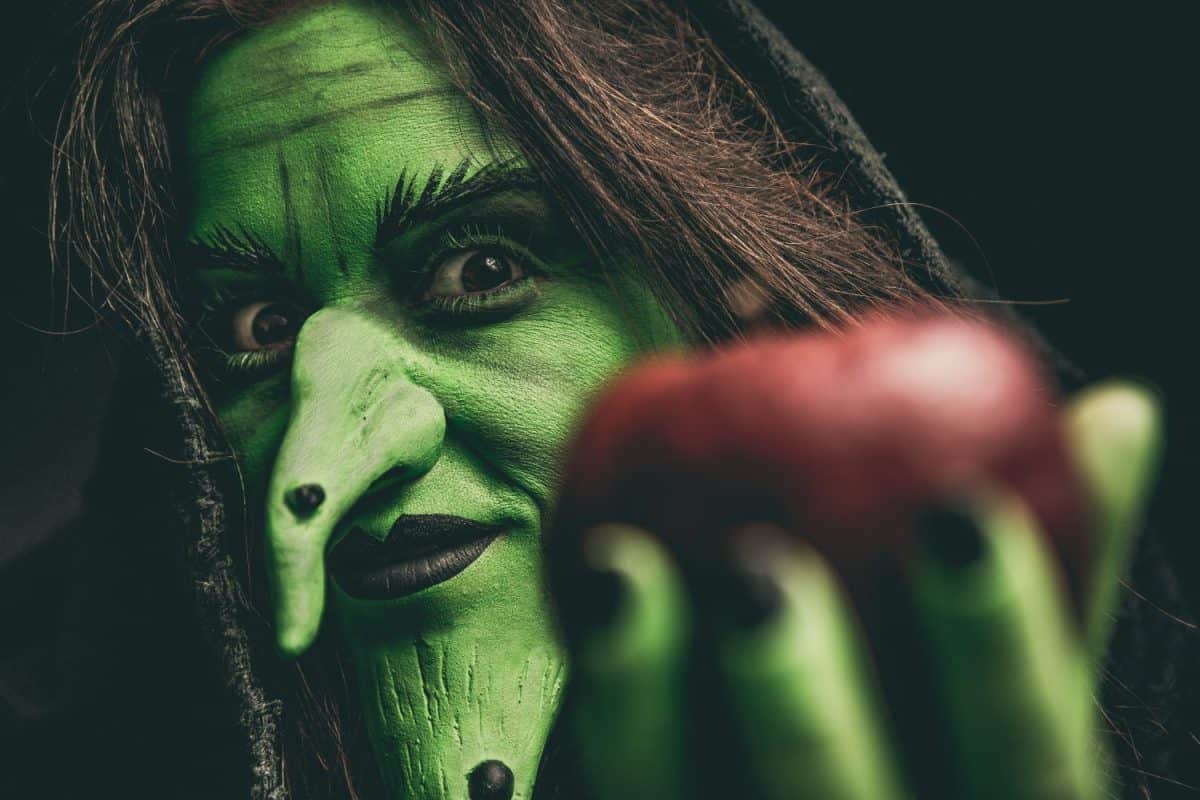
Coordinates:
(491, 780)
(951, 537)
(599, 596)
(752, 596)
(305, 499)
(598, 590)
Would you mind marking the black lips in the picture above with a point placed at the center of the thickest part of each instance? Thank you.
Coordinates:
(421, 550)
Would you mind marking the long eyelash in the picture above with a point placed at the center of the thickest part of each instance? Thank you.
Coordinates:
(252, 361)
(219, 303)
(216, 300)
(236, 247)
(473, 234)
(237, 237)
(469, 236)
(480, 305)
(390, 213)
(466, 236)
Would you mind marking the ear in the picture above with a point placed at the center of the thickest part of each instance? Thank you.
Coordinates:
(1115, 433)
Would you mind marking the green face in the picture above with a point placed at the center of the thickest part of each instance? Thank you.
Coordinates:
(400, 317)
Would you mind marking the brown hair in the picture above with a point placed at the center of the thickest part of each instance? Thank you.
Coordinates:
(661, 155)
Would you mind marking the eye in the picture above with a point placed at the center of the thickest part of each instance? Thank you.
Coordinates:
(271, 325)
(477, 271)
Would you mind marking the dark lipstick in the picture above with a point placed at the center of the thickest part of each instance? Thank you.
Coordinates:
(421, 550)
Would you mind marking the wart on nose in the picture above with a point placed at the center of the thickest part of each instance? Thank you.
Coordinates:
(491, 780)
(304, 499)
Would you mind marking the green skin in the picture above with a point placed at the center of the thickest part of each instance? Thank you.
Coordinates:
(296, 135)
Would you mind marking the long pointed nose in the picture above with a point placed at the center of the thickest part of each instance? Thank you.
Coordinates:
(356, 416)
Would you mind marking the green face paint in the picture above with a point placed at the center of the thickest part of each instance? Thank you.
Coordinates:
(402, 318)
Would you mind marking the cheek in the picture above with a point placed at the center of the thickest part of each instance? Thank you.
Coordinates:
(519, 389)
(255, 419)
(513, 392)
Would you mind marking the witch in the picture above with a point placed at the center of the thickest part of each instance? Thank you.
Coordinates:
(376, 259)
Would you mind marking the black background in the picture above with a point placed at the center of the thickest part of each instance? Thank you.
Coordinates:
(1051, 144)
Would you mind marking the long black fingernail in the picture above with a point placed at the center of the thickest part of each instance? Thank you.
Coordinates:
(748, 594)
(752, 597)
(491, 780)
(600, 593)
(305, 499)
(951, 537)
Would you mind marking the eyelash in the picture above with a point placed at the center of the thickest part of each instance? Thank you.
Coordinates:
(223, 302)
(255, 362)
(475, 236)
(238, 244)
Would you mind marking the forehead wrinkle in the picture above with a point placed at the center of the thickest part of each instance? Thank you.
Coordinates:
(346, 32)
(318, 171)
(278, 82)
(269, 134)
(274, 77)
(330, 63)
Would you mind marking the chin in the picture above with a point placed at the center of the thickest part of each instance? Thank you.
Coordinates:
(465, 671)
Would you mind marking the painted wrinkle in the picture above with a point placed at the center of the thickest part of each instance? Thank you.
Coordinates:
(356, 416)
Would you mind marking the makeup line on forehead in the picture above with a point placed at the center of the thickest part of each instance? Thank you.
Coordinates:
(295, 127)
(272, 83)
(272, 134)
(321, 66)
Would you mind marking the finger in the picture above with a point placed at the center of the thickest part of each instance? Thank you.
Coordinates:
(1009, 669)
(628, 624)
(798, 688)
(1115, 430)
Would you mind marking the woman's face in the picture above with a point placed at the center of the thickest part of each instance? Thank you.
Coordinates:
(396, 313)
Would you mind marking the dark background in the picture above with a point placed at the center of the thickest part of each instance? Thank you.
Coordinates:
(1050, 143)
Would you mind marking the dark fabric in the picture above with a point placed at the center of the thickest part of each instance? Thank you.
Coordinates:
(100, 631)
(1150, 698)
(200, 512)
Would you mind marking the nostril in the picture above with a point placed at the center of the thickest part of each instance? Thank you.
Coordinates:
(305, 499)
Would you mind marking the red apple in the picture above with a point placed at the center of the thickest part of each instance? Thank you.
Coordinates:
(842, 439)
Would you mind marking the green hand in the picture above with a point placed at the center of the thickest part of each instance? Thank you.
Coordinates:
(1013, 673)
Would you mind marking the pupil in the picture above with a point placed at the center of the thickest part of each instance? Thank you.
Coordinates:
(273, 325)
(485, 271)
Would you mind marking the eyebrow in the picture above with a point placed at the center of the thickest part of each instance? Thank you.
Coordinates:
(405, 207)
(232, 248)
(239, 249)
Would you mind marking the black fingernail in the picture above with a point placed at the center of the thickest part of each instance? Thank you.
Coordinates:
(951, 537)
(305, 499)
(491, 780)
(752, 598)
(599, 596)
